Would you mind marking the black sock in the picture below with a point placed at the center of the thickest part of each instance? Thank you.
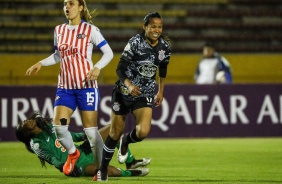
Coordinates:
(131, 137)
(108, 152)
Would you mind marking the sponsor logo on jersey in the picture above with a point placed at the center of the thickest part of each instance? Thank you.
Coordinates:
(161, 55)
(66, 50)
(80, 36)
(148, 70)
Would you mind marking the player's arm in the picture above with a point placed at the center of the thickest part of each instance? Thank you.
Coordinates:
(226, 68)
(51, 60)
(43, 151)
(162, 76)
(120, 71)
(98, 40)
(160, 94)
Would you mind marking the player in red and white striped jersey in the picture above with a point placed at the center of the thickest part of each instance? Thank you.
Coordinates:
(77, 81)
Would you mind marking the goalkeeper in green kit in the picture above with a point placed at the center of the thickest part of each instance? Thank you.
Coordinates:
(39, 137)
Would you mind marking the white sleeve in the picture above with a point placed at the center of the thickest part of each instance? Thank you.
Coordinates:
(98, 39)
(106, 58)
(51, 60)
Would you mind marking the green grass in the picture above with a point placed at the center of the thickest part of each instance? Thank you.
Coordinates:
(242, 160)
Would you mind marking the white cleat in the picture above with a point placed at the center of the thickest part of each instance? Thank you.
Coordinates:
(121, 158)
(98, 177)
(138, 163)
(143, 171)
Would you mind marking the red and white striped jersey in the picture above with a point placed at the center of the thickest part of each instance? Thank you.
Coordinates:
(74, 46)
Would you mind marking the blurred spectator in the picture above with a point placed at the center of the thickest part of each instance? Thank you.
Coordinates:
(212, 68)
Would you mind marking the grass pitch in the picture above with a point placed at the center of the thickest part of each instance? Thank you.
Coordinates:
(228, 160)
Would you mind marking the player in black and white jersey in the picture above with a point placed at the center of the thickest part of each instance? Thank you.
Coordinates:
(144, 55)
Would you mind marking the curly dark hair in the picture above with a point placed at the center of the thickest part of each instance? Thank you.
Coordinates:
(25, 136)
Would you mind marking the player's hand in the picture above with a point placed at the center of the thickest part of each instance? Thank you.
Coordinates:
(35, 67)
(76, 172)
(134, 90)
(158, 99)
(93, 74)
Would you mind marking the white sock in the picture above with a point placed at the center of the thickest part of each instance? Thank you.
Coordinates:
(65, 138)
(96, 143)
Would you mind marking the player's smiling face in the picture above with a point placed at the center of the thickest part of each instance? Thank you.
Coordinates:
(154, 29)
(72, 9)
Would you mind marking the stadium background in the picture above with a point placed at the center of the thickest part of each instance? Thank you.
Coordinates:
(247, 33)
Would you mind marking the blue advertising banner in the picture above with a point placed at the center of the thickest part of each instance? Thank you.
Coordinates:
(242, 110)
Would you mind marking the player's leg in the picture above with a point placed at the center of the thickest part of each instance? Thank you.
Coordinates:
(104, 131)
(88, 102)
(64, 107)
(131, 162)
(143, 118)
(117, 126)
(91, 130)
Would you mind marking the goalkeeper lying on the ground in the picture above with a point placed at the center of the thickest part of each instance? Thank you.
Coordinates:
(39, 137)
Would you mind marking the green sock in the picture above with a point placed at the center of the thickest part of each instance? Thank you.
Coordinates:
(130, 157)
(125, 173)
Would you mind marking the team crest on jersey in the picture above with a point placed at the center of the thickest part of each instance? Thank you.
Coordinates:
(80, 36)
(161, 55)
(116, 106)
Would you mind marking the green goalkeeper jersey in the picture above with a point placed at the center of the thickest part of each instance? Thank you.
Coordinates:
(47, 147)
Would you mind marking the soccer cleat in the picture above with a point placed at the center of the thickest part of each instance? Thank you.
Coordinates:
(138, 163)
(143, 171)
(70, 163)
(122, 158)
(100, 176)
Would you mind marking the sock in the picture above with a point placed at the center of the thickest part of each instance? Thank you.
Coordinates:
(125, 173)
(96, 143)
(131, 137)
(108, 152)
(64, 137)
(130, 157)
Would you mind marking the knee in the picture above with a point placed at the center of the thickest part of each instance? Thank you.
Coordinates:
(142, 133)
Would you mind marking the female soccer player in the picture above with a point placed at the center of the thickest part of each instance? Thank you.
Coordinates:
(37, 133)
(143, 55)
(77, 83)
